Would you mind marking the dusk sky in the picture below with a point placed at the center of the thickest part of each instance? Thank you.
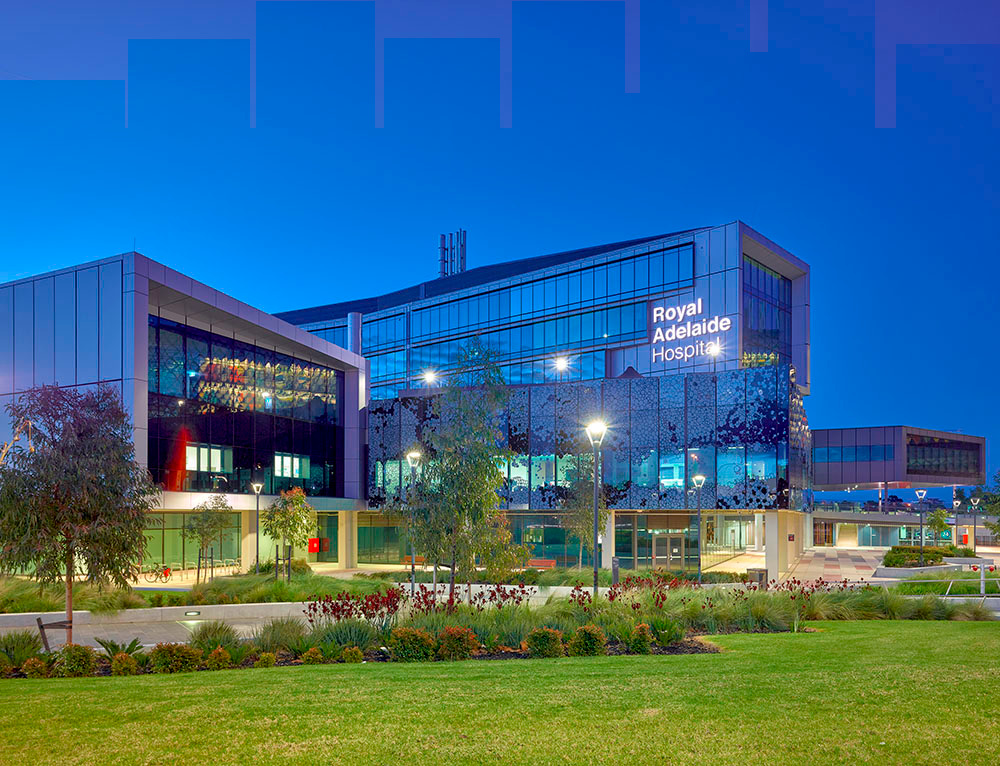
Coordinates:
(255, 165)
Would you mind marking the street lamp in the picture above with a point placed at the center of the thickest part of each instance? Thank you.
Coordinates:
(699, 481)
(921, 494)
(595, 432)
(714, 349)
(412, 459)
(257, 487)
(975, 520)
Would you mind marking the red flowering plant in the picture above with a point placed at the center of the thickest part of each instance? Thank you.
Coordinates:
(379, 609)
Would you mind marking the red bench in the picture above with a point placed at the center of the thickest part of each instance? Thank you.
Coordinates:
(542, 563)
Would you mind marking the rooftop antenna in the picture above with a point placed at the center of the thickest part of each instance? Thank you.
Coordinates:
(452, 253)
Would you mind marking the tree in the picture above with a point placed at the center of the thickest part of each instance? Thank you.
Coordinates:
(209, 524)
(79, 497)
(460, 493)
(578, 514)
(289, 519)
(937, 522)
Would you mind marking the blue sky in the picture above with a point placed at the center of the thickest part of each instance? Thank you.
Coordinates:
(315, 205)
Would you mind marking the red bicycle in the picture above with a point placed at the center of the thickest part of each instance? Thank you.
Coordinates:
(158, 573)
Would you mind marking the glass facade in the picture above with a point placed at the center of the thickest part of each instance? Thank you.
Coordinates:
(166, 544)
(767, 315)
(937, 456)
(62, 329)
(595, 312)
(224, 414)
(861, 453)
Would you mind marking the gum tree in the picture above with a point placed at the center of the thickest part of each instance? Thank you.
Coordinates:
(463, 479)
(289, 519)
(78, 498)
(578, 513)
(209, 523)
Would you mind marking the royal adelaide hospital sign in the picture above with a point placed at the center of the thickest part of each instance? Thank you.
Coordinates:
(683, 333)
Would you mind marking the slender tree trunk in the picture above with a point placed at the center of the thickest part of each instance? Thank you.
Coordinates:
(435, 596)
(579, 563)
(70, 564)
(451, 577)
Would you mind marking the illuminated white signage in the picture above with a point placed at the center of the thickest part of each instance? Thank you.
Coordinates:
(672, 324)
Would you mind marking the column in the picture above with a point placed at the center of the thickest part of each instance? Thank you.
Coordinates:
(772, 545)
(347, 539)
(608, 548)
(758, 531)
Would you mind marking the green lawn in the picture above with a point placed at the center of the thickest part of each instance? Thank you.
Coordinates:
(854, 692)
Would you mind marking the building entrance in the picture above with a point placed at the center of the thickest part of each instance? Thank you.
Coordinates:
(668, 551)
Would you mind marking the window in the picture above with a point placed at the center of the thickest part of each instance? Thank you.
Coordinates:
(288, 466)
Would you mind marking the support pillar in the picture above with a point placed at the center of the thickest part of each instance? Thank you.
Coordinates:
(347, 539)
(758, 531)
(772, 545)
(608, 546)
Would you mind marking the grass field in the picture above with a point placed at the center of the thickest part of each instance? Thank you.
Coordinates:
(854, 692)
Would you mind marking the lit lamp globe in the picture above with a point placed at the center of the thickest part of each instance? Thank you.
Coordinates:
(595, 432)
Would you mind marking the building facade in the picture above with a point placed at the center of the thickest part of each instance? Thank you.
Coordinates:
(222, 396)
(693, 346)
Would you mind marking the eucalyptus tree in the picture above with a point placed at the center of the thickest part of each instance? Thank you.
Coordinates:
(78, 497)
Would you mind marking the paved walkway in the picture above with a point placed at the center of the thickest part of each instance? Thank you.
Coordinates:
(836, 564)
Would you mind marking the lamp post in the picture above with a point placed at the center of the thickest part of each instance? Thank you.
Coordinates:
(595, 432)
(412, 459)
(257, 487)
(714, 349)
(699, 481)
(921, 494)
(975, 520)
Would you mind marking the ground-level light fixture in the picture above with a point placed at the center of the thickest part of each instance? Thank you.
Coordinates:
(413, 458)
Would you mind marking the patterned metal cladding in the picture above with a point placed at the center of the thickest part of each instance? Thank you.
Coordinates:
(745, 430)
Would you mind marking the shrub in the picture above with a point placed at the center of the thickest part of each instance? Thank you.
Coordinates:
(279, 634)
(219, 659)
(330, 650)
(545, 642)
(909, 556)
(174, 658)
(456, 643)
(587, 641)
(5, 665)
(176, 599)
(313, 656)
(641, 640)
(75, 661)
(35, 667)
(299, 567)
(238, 653)
(411, 645)
(349, 632)
(266, 660)
(214, 633)
(156, 599)
(111, 648)
(123, 664)
(666, 631)
(352, 654)
(303, 645)
(18, 646)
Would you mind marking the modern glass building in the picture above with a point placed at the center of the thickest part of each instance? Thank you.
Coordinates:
(693, 346)
(222, 396)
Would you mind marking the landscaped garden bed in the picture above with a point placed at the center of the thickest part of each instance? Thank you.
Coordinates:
(641, 615)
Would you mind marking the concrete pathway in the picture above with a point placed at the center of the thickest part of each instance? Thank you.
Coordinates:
(837, 564)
